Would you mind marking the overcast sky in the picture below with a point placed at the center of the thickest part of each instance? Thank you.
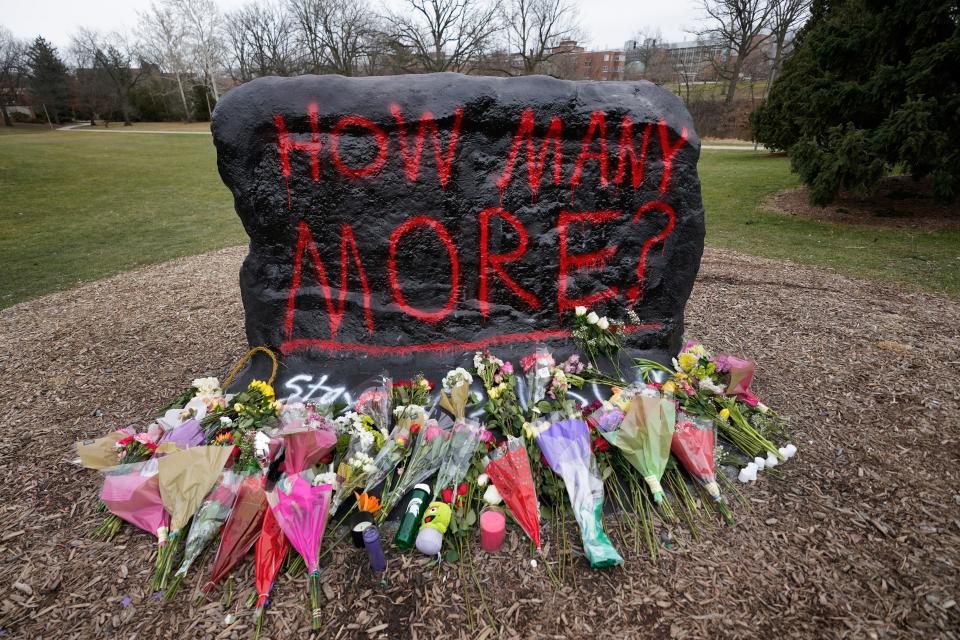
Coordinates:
(608, 23)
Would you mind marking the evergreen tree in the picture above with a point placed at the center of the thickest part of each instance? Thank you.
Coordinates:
(872, 86)
(47, 78)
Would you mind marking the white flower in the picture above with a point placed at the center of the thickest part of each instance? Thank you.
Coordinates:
(478, 361)
(759, 462)
(325, 478)
(348, 423)
(790, 450)
(226, 420)
(707, 384)
(580, 311)
(762, 408)
(456, 378)
(482, 480)
(593, 318)
(772, 460)
(603, 323)
(206, 386)
(491, 496)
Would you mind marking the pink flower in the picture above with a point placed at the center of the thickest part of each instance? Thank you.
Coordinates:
(507, 367)
(432, 432)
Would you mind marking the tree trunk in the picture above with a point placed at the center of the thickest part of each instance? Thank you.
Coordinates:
(183, 98)
(6, 116)
(732, 87)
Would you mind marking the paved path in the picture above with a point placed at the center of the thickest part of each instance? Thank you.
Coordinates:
(86, 127)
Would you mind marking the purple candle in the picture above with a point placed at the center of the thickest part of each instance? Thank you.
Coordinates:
(371, 540)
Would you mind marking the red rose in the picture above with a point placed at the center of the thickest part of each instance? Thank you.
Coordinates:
(447, 495)
(124, 441)
(327, 459)
(600, 444)
(414, 429)
(462, 489)
(151, 445)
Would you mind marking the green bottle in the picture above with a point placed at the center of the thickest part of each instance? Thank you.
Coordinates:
(407, 533)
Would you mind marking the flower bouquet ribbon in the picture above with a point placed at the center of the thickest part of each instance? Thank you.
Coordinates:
(241, 530)
(693, 444)
(132, 492)
(271, 548)
(186, 477)
(645, 435)
(566, 446)
(509, 470)
(206, 524)
(301, 511)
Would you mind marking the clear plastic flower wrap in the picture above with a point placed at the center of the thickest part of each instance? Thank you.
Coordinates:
(428, 454)
(464, 440)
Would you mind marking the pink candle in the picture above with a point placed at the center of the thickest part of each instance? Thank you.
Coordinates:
(493, 527)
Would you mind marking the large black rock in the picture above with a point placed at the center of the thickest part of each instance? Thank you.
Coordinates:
(401, 223)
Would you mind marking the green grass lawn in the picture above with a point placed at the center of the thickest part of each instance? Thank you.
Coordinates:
(80, 206)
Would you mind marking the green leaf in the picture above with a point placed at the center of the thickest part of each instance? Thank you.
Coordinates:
(451, 555)
(470, 519)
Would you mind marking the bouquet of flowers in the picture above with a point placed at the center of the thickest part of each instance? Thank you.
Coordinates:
(464, 440)
(374, 403)
(693, 444)
(502, 409)
(456, 392)
(132, 492)
(410, 420)
(308, 437)
(509, 469)
(206, 524)
(415, 391)
(184, 435)
(565, 444)
(301, 511)
(645, 435)
(538, 371)
(186, 477)
(100, 453)
(271, 549)
(137, 447)
(598, 336)
(241, 530)
(249, 410)
(425, 460)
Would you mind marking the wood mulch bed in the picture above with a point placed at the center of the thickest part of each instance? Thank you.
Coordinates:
(898, 202)
(860, 539)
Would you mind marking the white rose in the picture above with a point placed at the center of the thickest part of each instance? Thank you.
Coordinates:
(482, 480)
(592, 318)
(491, 496)
(580, 311)
(603, 323)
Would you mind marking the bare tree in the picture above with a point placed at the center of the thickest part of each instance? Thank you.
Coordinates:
(338, 36)
(534, 28)
(163, 34)
(13, 70)
(786, 17)
(444, 35)
(743, 26)
(203, 25)
(113, 57)
(260, 43)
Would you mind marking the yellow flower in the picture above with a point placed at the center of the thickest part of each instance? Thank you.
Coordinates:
(261, 386)
(238, 407)
(669, 387)
(687, 361)
(725, 414)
